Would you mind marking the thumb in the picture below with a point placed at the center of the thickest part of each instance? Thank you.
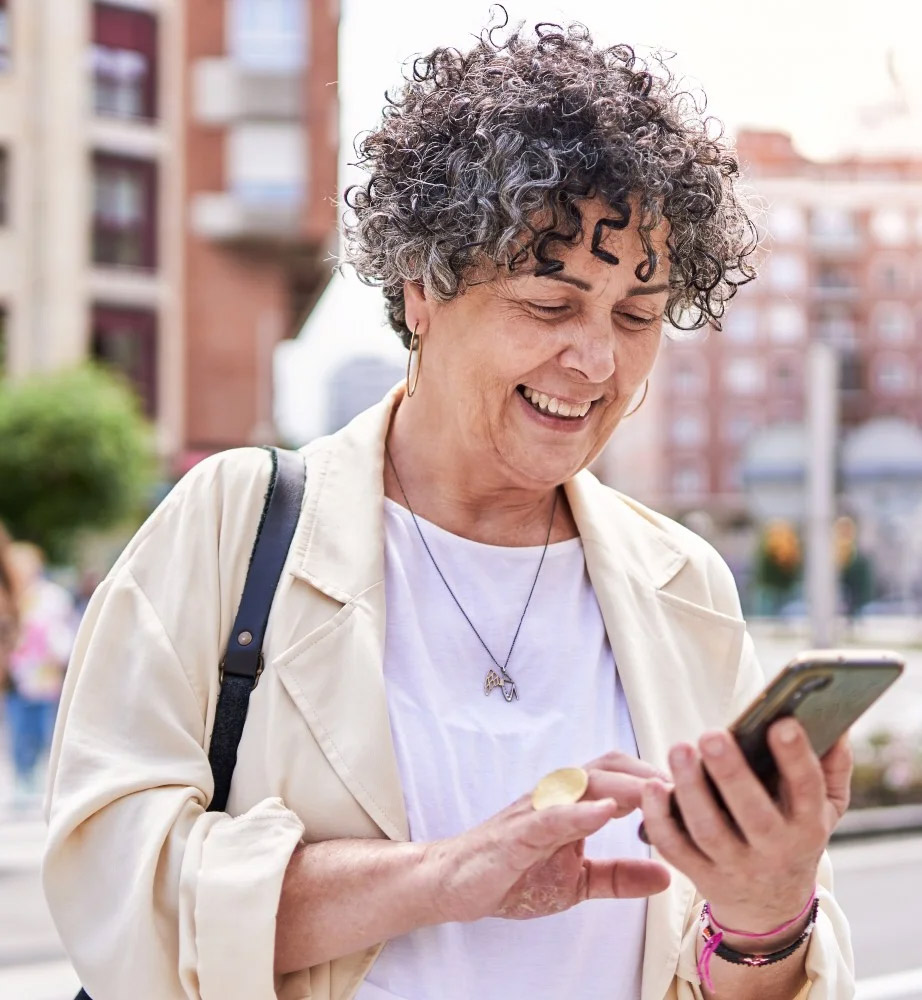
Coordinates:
(625, 878)
(837, 771)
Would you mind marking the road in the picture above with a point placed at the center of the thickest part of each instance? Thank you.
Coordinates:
(877, 883)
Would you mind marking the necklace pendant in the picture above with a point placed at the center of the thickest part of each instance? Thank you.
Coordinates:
(505, 683)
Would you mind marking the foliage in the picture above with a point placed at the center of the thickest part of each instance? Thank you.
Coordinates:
(76, 454)
(888, 770)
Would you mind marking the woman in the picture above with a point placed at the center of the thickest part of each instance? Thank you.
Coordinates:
(465, 608)
(44, 637)
(9, 614)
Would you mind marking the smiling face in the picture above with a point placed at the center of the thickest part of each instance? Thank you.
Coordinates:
(528, 376)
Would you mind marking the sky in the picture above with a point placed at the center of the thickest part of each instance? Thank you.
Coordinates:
(802, 66)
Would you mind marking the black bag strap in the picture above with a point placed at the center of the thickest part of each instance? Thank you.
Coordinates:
(243, 661)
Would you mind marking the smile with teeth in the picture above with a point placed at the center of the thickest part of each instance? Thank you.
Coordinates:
(552, 405)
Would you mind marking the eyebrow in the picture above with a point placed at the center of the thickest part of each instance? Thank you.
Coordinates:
(586, 287)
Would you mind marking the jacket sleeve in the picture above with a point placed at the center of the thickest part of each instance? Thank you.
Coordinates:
(830, 962)
(154, 897)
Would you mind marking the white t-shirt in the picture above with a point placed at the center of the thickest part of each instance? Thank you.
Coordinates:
(463, 756)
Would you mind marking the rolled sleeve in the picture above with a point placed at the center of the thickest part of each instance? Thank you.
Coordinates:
(152, 895)
(230, 888)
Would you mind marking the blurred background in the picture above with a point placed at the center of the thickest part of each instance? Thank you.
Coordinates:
(169, 178)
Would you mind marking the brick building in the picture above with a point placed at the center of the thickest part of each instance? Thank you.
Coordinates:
(167, 171)
(845, 265)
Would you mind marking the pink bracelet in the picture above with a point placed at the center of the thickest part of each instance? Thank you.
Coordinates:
(714, 940)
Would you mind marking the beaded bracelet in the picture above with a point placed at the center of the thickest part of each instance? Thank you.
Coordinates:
(713, 943)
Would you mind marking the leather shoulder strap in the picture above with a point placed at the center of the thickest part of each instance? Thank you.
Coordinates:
(243, 661)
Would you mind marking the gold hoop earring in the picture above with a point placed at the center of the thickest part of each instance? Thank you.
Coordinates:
(646, 387)
(416, 344)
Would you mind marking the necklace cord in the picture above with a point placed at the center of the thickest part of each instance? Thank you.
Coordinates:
(448, 587)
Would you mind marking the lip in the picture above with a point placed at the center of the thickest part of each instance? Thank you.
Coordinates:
(571, 425)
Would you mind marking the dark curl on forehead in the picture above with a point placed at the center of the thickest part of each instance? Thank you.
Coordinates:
(488, 155)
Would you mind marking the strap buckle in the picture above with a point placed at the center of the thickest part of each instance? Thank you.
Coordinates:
(260, 666)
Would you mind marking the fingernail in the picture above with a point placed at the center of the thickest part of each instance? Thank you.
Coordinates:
(680, 755)
(787, 731)
(714, 745)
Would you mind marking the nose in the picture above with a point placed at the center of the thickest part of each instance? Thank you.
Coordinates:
(591, 352)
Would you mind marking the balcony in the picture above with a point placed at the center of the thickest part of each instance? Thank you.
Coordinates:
(224, 92)
(833, 244)
(271, 217)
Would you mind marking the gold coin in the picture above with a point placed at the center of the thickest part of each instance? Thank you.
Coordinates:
(560, 788)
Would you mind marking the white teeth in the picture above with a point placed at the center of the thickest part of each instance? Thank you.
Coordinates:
(551, 404)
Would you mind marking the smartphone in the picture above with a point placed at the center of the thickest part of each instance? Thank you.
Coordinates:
(826, 690)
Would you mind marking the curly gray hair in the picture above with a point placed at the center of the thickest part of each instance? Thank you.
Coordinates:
(486, 155)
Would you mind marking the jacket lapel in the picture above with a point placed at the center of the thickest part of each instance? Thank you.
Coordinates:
(334, 671)
(677, 662)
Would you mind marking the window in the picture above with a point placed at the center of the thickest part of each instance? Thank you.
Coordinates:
(890, 226)
(741, 324)
(832, 224)
(5, 41)
(785, 377)
(832, 277)
(268, 35)
(124, 62)
(786, 223)
(689, 430)
(894, 375)
(688, 481)
(739, 427)
(266, 163)
(4, 186)
(786, 272)
(892, 275)
(126, 340)
(851, 371)
(124, 212)
(744, 377)
(787, 323)
(837, 326)
(689, 377)
(893, 322)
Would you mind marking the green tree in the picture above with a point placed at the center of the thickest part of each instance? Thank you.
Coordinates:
(76, 454)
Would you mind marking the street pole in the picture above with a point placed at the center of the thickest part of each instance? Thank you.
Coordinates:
(822, 437)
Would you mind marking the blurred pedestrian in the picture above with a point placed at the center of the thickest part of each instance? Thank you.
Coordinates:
(9, 617)
(37, 660)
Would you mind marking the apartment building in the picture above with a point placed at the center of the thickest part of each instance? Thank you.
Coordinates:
(167, 170)
(844, 265)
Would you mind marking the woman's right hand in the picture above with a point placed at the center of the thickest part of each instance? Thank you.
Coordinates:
(522, 863)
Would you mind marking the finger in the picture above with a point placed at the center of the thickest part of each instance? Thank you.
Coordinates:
(625, 878)
(539, 833)
(626, 789)
(706, 823)
(617, 761)
(837, 767)
(750, 805)
(665, 835)
(800, 769)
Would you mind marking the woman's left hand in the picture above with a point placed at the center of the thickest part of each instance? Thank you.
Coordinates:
(761, 874)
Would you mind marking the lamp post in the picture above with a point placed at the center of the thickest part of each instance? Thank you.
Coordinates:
(822, 435)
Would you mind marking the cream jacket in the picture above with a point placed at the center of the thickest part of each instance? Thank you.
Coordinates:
(154, 898)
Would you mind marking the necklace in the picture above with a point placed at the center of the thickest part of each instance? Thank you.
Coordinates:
(500, 680)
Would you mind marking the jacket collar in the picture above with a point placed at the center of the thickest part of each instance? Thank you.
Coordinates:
(339, 546)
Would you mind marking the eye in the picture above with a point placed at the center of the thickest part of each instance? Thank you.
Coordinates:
(546, 310)
(637, 321)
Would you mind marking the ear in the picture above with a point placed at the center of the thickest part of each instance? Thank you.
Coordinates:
(416, 305)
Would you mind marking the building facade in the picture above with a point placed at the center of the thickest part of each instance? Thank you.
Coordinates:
(843, 265)
(167, 175)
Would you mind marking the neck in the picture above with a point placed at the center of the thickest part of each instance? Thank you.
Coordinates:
(451, 487)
